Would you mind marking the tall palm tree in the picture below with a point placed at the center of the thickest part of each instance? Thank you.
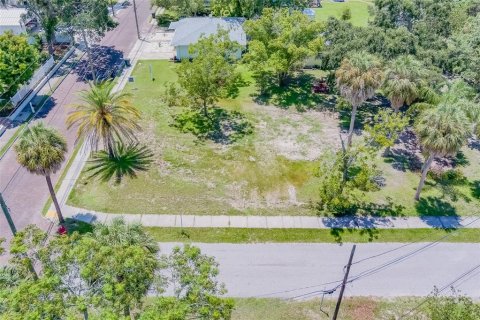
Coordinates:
(358, 77)
(41, 150)
(404, 80)
(125, 161)
(441, 131)
(105, 116)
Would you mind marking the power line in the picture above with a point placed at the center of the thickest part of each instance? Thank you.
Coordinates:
(449, 285)
(418, 241)
(378, 268)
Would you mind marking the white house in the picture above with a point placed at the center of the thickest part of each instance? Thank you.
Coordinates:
(11, 19)
(189, 30)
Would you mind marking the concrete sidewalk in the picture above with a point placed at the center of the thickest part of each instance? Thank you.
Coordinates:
(282, 222)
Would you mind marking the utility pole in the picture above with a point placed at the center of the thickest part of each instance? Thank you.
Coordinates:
(136, 18)
(4, 207)
(345, 278)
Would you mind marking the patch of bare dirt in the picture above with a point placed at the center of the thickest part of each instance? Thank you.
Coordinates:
(298, 136)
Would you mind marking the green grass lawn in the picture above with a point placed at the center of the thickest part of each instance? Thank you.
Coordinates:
(270, 171)
(266, 172)
(358, 8)
(242, 235)
(358, 308)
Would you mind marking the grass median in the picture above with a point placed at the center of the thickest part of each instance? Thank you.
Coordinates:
(243, 235)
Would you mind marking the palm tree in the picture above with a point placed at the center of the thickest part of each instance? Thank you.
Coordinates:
(41, 150)
(120, 233)
(105, 116)
(404, 81)
(441, 131)
(358, 77)
(125, 161)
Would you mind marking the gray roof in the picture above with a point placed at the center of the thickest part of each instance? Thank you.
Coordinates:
(189, 30)
(11, 16)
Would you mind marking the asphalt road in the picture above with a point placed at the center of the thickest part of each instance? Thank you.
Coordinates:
(24, 193)
(281, 270)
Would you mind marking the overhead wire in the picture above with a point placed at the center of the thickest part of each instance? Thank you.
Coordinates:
(449, 285)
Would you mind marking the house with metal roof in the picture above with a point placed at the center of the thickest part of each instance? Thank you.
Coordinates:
(189, 30)
(11, 19)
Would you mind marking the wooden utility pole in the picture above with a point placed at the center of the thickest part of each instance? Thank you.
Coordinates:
(136, 18)
(345, 278)
(6, 212)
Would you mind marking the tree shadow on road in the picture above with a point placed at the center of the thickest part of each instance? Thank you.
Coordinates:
(107, 61)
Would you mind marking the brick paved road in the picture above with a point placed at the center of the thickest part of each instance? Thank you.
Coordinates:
(24, 193)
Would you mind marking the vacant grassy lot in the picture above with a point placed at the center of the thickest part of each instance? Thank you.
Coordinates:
(358, 8)
(268, 169)
(239, 235)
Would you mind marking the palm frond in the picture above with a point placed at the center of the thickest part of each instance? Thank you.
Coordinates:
(105, 116)
(41, 150)
(126, 160)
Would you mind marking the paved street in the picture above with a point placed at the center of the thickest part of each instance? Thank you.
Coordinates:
(277, 270)
(24, 193)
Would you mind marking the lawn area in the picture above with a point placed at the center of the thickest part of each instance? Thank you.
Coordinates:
(358, 308)
(269, 171)
(242, 235)
(358, 8)
(262, 160)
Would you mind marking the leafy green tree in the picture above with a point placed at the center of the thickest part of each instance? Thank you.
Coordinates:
(41, 150)
(391, 14)
(119, 263)
(127, 160)
(106, 273)
(88, 19)
(404, 81)
(358, 77)
(184, 7)
(441, 131)
(105, 116)
(386, 128)
(212, 74)
(196, 288)
(47, 14)
(281, 40)
(18, 61)
(454, 307)
(343, 174)
(464, 49)
(346, 14)
(251, 8)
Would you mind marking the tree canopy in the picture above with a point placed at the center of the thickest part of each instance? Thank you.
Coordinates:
(18, 62)
(106, 273)
(281, 40)
(212, 73)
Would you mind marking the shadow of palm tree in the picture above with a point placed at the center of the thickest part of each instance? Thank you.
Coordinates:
(437, 213)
